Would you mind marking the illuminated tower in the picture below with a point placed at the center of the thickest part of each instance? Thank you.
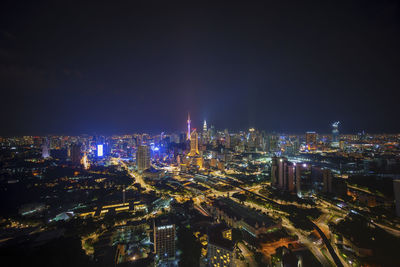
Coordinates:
(335, 134)
(45, 148)
(205, 126)
(194, 144)
(85, 162)
(311, 140)
(188, 125)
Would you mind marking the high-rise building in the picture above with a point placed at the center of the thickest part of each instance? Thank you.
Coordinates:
(227, 139)
(85, 162)
(274, 171)
(143, 158)
(164, 238)
(194, 144)
(296, 145)
(298, 179)
(211, 132)
(311, 139)
(341, 145)
(327, 181)
(303, 179)
(205, 134)
(396, 187)
(281, 171)
(100, 151)
(335, 134)
(188, 127)
(76, 154)
(272, 143)
(45, 148)
(291, 174)
(283, 174)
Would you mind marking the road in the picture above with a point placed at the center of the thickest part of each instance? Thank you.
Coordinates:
(388, 229)
(136, 176)
(329, 246)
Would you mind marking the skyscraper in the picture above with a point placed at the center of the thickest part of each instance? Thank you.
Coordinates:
(284, 174)
(194, 144)
(85, 162)
(143, 158)
(164, 238)
(335, 134)
(76, 154)
(274, 171)
(327, 181)
(205, 127)
(227, 139)
(272, 143)
(188, 127)
(311, 139)
(290, 181)
(45, 148)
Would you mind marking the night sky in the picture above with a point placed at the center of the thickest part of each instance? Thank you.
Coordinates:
(69, 67)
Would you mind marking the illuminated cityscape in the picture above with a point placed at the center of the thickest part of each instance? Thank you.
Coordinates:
(163, 200)
(165, 134)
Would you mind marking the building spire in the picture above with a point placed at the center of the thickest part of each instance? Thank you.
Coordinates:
(188, 126)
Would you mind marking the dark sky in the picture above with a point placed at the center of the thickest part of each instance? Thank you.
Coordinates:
(70, 67)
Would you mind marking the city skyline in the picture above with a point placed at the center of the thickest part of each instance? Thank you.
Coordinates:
(188, 129)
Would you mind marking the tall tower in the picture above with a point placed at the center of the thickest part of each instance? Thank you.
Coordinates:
(194, 144)
(45, 148)
(188, 126)
(335, 134)
(205, 126)
(85, 162)
(143, 158)
(76, 154)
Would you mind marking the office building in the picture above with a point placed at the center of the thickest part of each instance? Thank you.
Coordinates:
(164, 238)
(76, 154)
(283, 174)
(45, 148)
(227, 139)
(327, 181)
(143, 158)
(311, 139)
(335, 135)
(100, 151)
(274, 171)
(194, 144)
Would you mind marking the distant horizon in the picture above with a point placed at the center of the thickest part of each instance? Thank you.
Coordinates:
(180, 132)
